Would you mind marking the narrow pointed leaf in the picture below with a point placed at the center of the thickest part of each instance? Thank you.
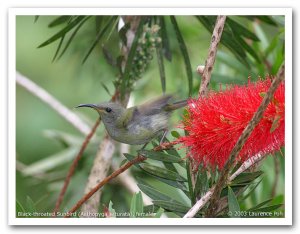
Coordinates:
(165, 39)
(240, 30)
(129, 62)
(105, 88)
(260, 204)
(174, 183)
(30, 206)
(251, 190)
(160, 156)
(184, 53)
(161, 172)
(58, 48)
(73, 36)
(159, 213)
(160, 61)
(263, 18)
(172, 206)
(153, 193)
(246, 177)
(59, 20)
(233, 204)
(99, 37)
(19, 207)
(62, 32)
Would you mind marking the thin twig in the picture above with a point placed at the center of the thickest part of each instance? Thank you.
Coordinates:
(73, 166)
(137, 159)
(205, 198)
(47, 98)
(212, 52)
(241, 141)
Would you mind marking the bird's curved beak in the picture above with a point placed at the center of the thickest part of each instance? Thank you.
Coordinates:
(90, 106)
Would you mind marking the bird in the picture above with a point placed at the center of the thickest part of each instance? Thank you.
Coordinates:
(137, 125)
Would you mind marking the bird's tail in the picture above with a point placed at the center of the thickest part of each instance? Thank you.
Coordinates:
(177, 105)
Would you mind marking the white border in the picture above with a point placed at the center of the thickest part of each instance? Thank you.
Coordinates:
(149, 11)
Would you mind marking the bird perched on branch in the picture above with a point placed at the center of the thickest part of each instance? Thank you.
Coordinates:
(139, 124)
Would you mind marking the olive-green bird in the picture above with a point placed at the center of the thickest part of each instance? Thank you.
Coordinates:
(139, 124)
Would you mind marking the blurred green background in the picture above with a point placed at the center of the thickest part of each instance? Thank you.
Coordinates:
(73, 83)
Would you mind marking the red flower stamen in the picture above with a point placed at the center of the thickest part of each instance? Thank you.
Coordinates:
(215, 123)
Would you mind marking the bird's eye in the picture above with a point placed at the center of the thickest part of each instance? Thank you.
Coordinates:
(107, 109)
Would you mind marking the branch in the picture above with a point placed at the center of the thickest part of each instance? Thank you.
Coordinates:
(47, 98)
(241, 141)
(212, 52)
(203, 200)
(137, 159)
(73, 167)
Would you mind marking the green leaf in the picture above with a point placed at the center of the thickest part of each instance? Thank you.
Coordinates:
(160, 156)
(233, 204)
(73, 36)
(248, 48)
(251, 190)
(161, 172)
(246, 177)
(30, 206)
(240, 30)
(152, 192)
(19, 208)
(165, 39)
(109, 57)
(111, 210)
(58, 48)
(184, 53)
(129, 62)
(136, 207)
(260, 204)
(263, 18)
(201, 183)
(99, 36)
(172, 206)
(160, 61)
(159, 212)
(176, 184)
(106, 89)
(151, 209)
(59, 20)
(175, 134)
(63, 32)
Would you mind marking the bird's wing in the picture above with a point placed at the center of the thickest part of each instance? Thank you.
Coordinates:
(154, 106)
(126, 118)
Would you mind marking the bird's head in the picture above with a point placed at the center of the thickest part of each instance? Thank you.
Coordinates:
(108, 111)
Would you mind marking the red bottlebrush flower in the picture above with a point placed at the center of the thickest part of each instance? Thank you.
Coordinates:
(215, 123)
